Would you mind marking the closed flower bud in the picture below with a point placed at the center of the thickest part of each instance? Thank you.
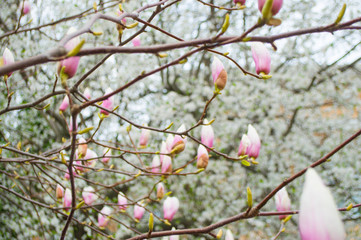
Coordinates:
(107, 103)
(250, 144)
(276, 6)
(261, 58)
(64, 104)
(144, 137)
(70, 126)
(103, 216)
(160, 190)
(82, 147)
(6, 59)
(90, 154)
(167, 164)
(67, 199)
(24, 7)
(71, 63)
(170, 207)
(59, 191)
(106, 153)
(207, 134)
(319, 218)
(219, 75)
(283, 202)
(179, 143)
(242, 2)
(89, 195)
(229, 235)
(122, 201)
(138, 212)
(169, 143)
(163, 149)
(67, 175)
(136, 41)
(202, 157)
(155, 164)
(87, 93)
(243, 146)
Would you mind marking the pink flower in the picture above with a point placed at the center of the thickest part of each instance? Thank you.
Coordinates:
(202, 157)
(70, 64)
(276, 6)
(169, 143)
(163, 149)
(24, 7)
(122, 201)
(160, 190)
(138, 211)
(7, 58)
(103, 216)
(167, 164)
(65, 104)
(144, 137)
(59, 191)
(170, 207)
(70, 126)
(179, 142)
(261, 58)
(89, 195)
(67, 199)
(155, 164)
(87, 93)
(106, 153)
(67, 175)
(219, 75)
(207, 134)
(229, 235)
(82, 147)
(318, 217)
(250, 144)
(90, 154)
(242, 2)
(136, 41)
(283, 202)
(107, 103)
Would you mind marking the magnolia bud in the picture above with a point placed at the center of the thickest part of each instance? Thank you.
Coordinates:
(122, 201)
(243, 146)
(6, 59)
(103, 216)
(138, 211)
(254, 148)
(179, 142)
(261, 57)
(89, 195)
(106, 153)
(82, 147)
(169, 143)
(163, 149)
(90, 154)
(24, 7)
(65, 104)
(71, 63)
(87, 93)
(144, 137)
(318, 217)
(107, 103)
(202, 157)
(59, 191)
(160, 190)
(155, 164)
(67, 199)
(207, 134)
(170, 207)
(242, 2)
(276, 6)
(229, 235)
(136, 41)
(167, 164)
(283, 202)
(219, 75)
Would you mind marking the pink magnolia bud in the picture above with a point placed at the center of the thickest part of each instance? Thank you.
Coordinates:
(59, 191)
(90, 154)
(82, 148)
(107, 103)
(207, 134)
(163, 149)
(240, 1)
(65, 104)
(319, 218)
(202, 157)
(283, 202)
(243, 146)
(169, 143)
(144, 137)
(70, 126)
(87, 93)
(254, 148)
(24, 7)
(276, 6)
(179, 143)
(7, 58)
(122, 201)
(89, 195)
(70, 64)
(79, 165)
(138, 211)
(167, 164)
(219, 75)
(229, 235)
(67, 199)
(170, 207)
(160, 190)
(106, 153)
(155, 164)
(67, 175)
(103, 216)
(261, 58)
(136, 41)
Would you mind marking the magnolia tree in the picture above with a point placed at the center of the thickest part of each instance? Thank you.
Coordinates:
(180, 119)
